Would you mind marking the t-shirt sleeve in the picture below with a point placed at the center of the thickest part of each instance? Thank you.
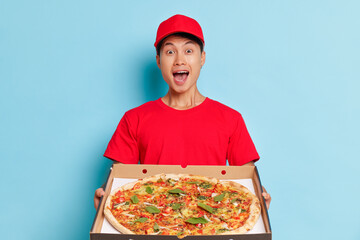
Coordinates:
(123, 145)
(241, 148)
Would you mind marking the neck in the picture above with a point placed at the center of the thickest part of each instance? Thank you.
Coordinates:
(183, 101)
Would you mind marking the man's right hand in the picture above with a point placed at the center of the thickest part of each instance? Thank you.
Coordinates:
(98, 194)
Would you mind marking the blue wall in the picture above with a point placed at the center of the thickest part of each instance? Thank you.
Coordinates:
(70, 69)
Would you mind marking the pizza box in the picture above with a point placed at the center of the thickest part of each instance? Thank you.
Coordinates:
(122, 173)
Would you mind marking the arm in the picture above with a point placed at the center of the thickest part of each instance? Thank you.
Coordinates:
(265, 194)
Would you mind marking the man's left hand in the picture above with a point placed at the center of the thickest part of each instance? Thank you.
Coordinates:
(267, 197)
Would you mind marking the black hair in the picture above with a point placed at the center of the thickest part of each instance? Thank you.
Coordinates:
(184, 35)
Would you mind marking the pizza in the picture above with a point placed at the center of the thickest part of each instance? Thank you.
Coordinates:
(182, 204)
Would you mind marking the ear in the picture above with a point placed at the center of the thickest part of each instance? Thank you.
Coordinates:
(158, 61)
(203, 57)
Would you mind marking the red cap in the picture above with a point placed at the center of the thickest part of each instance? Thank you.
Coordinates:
(179, 23)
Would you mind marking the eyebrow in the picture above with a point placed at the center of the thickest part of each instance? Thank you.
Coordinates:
(188, 42)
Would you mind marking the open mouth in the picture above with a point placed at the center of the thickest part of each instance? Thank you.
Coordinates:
(180, 76)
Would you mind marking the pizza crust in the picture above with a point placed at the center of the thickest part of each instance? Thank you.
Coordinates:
(154, 178)
(203, 178)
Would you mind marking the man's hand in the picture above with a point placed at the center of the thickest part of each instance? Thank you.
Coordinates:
(267, 197)
(265, 193)
(98, 194)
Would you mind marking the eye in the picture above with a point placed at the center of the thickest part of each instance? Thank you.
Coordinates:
(169, 51)
(189, 51)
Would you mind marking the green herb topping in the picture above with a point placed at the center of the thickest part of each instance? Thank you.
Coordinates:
(176, 190)
(194, 220)
(134, 199)
(219, 198)
(206, 207)
(201, 197)
(176, 206)
(205, 185)
(156, 227)
(221, 230)
(149, 190)
(152, 209)
(194, 182)
(142, 220)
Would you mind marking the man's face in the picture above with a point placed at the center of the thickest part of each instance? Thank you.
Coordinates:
(180, 62)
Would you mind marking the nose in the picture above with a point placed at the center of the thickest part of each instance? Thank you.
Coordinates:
(180, 59)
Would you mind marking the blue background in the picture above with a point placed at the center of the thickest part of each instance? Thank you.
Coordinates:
(70, 69)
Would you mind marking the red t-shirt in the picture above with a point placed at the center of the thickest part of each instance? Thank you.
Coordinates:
(207, 134)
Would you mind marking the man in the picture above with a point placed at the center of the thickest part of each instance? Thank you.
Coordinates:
(183, 127)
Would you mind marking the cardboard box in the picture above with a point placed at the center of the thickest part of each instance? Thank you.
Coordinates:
(221, 172)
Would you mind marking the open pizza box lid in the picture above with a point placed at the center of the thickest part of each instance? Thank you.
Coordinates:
(136, 171)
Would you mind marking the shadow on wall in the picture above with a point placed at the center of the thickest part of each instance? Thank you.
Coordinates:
(152, 82)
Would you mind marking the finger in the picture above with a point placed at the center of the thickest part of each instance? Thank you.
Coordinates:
(99, 192)
(267, 198)
(264, 190)
(266, 195)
